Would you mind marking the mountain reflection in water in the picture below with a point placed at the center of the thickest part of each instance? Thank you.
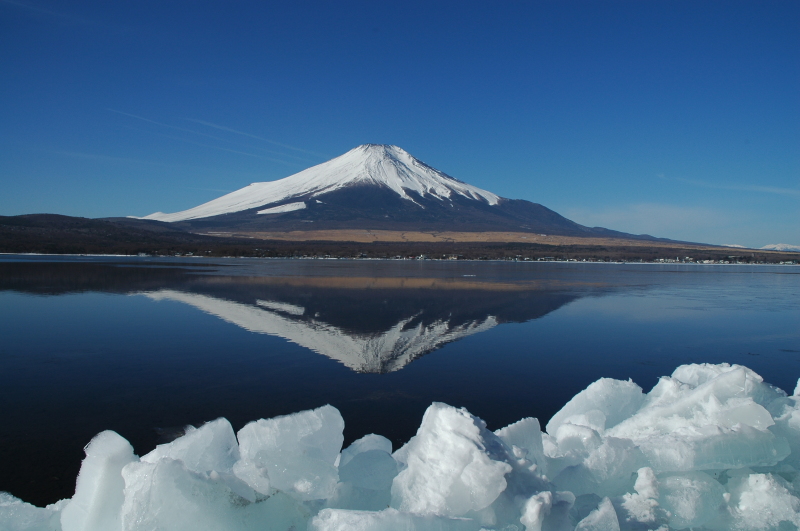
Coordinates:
(370, 324)
(372, 330)
(96, 343)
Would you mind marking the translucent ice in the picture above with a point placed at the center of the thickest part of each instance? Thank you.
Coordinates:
(759, 502)
(386, 520)
(604, 518)
(691, 498)
(641, 505)
(213, 446)
(786, 414)
(706, 417)
(294, 453)
(365, 444)
(372, 470)
(547, 511)
(525, 438)
(16, 515)
(366, 472)
(709, 448)
(602, 405)
(167, 495)
(606, 471)
(98, 492)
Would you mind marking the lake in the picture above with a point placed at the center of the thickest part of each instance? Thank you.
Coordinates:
(145, 346)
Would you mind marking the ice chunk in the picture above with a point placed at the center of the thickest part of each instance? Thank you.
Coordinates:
(294, 453)
(98, 491)
(167, 495)
(786, 413)
(607, 470)
(349, 496)
(604, 518)
(717, 424)
(759, 502)
(16, 515)
(366, 475)
(365, 443)
(711, 447)
(525, 435)
(691, 498)
(213, 446)
(734, 379)
(454, 465)
(386, 520)
(642, 506)
(373, 470)
(577, 439)
(797, 388)
(547, 510)
(615, 400)
(571, 445)
(689, 445)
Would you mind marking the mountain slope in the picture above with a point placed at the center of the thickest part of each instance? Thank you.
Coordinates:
(375, 187)
(370, 164)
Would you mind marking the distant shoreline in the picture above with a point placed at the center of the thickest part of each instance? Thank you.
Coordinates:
(389, 259)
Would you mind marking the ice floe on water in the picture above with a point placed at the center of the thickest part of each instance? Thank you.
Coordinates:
(712, 447)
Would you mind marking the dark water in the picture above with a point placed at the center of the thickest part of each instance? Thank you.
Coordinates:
(145, 347)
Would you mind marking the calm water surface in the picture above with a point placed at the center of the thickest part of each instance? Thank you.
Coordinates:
(146, 346)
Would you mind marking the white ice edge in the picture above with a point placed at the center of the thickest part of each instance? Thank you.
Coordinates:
(710, 447)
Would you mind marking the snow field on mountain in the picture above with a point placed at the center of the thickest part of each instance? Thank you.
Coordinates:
(387, 166)
(289, 207)
(711, 447)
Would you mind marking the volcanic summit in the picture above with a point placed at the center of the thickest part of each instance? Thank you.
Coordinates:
(377, 187)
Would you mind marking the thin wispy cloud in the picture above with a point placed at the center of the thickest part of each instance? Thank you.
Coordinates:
(230, 130)
(210, 190)
(737, 187)
(205, 135)
(33, 8)
(175, 127)
(172, 137)
(661, 220)
(106, 158)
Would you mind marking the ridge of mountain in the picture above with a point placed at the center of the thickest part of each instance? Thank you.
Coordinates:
(369, 164)
(377, 187)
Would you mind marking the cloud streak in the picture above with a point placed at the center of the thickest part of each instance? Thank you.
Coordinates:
(105, 158)
(738, 187)
(172, 137)
(48, 12)
(205, 135)
(230, 130)
(661, 220)
(161, 124)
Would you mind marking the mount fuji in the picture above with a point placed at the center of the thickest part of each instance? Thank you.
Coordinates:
(376, 187)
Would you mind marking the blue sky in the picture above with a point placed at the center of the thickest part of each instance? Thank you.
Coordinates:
(675, 118)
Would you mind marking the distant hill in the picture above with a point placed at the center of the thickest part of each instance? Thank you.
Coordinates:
(57, 234)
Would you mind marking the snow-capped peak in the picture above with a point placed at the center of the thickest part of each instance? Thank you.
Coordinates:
(781, 247)
(388, 166)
